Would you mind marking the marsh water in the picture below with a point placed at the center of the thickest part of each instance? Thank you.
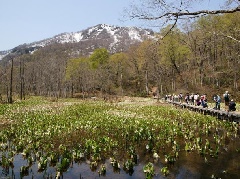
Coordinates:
(201, 146)
(189, 165)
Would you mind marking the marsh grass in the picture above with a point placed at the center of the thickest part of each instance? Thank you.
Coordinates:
(61, 132)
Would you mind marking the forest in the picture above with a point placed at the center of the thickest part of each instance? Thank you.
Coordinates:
(200, 57)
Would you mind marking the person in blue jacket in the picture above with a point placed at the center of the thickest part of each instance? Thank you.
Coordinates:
(217, 100)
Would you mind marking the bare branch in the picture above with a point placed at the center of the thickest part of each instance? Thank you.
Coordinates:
(230, 37)
(171, 28)
(179, 14)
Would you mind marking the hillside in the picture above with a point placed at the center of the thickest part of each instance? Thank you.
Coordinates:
(113, 38)
(107, 60)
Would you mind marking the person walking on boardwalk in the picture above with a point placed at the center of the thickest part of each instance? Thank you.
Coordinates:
(217, 100)
(196, 99)
(232, 105)
(191, 98)
(226, 97)
(187, 98)
(203, 101)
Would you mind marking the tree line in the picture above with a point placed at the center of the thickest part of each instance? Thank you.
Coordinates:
(202, 57)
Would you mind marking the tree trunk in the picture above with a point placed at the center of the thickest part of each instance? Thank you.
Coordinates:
(10, 100)
(22, 91)
(121, 77)
(146, 78)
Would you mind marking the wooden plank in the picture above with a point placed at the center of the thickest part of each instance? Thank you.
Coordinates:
(220, 114)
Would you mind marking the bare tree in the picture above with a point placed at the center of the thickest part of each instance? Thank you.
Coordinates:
(10, 100)
(164, 12)
(21, 75)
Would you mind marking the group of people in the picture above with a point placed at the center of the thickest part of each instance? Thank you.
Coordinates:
(192, 99)
(196, 99)
(201, 100)
(230, 105)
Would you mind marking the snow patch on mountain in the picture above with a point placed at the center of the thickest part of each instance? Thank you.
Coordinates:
(134, 35)
(78, 36)
(114, 36)
(4, 53)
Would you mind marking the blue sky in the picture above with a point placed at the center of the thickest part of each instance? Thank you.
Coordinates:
(26, 21)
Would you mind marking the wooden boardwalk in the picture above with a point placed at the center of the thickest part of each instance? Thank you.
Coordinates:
(220, 114)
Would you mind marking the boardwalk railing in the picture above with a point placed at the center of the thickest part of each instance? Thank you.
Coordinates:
(220, 114)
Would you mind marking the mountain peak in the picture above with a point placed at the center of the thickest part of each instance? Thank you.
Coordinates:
(114, 38)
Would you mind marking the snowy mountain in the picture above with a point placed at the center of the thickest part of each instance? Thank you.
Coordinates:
(4, 53)
(113, 38)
